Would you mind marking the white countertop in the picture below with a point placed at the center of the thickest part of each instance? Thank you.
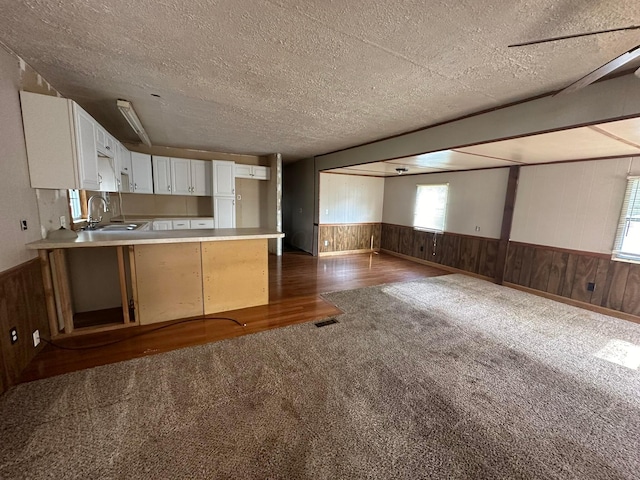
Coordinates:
(146, 237)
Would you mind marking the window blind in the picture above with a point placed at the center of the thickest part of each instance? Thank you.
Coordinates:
(431, 207)
(627, 244)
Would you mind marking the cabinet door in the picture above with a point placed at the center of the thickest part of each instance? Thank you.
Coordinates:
(201, 177)
(124, 159)
(124, 175)
(224, 182)
(162, 225)
(180, 176)
(243, 171)
(224, 212)
(142, 178)
(161, 175)
(260, 173)
(110, 146)
(87, 152)
(101, 139)
(107, 178)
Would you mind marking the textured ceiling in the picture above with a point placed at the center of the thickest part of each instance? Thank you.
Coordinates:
(305, 77)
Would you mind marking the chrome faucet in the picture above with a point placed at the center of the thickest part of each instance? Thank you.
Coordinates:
(91, 221)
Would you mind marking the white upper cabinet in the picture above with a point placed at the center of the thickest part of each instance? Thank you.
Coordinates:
(88, 177)
(254, 172)
(185, 177)
(124, 174)
(224, 182)
(161, 175)
(142, 177)
(201, 177)
(61, 143)
(181, 176)
(105, 143)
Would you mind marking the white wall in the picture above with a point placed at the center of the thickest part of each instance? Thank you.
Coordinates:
(476, 199)
(17, 198)
(350, 198)
(571, 205)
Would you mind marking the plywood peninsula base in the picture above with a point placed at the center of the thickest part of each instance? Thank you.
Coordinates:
(184, 280)
(235, 275)
(168, 281)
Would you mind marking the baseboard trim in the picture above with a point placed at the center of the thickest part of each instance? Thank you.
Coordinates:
(576, 303)
(437, 265)
(347, 252)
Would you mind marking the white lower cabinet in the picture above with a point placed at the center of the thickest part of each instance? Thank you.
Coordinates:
(201, 223)
(181, 224)
(162, 225)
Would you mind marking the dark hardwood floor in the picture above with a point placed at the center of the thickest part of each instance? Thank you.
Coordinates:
(296, 281)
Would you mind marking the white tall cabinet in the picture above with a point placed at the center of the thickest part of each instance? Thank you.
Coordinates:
(224, 194)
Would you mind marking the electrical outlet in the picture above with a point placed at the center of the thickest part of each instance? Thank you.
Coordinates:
(477, 228)
(326, 243)
(421, 248)
(239, 197)
(13, 334)
(591, 287)
(23, 224)
(36, 338)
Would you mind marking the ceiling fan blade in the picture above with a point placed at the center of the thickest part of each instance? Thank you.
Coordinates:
(565, 37)
(605, 69)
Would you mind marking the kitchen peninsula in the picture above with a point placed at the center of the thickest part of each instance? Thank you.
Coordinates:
(165, 275)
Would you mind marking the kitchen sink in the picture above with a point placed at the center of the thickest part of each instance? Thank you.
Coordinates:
(118, 227)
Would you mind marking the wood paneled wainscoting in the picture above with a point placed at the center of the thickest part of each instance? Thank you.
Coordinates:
(476, 255)
(585, 279)
(348, 238)
(22, 305)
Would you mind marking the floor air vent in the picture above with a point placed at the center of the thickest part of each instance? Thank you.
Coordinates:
(324, 323)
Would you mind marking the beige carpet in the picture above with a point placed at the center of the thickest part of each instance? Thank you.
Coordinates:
(448, 377)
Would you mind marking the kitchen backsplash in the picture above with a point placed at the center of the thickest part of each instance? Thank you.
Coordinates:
(161, 205)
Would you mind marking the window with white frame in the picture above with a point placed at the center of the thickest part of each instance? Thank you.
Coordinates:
(627, 245)
(74, 203)
(431, 207)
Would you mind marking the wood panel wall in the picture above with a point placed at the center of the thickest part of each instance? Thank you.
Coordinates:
(22, 305)
(567, 273)
(348, 237)
(465, 252)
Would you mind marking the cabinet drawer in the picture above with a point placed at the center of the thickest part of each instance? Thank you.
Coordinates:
(180, 224)
(202, 223)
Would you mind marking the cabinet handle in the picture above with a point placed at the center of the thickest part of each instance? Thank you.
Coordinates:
(169, 188)
(108, 147)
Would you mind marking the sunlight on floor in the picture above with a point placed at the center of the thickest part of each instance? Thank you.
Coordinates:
(621, 352)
